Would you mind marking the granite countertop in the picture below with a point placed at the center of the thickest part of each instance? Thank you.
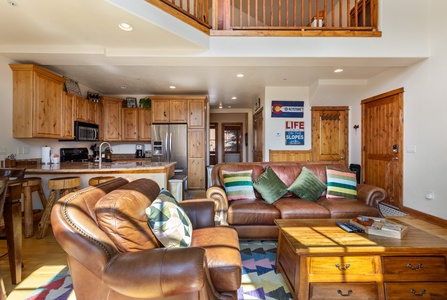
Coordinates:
(106, 167)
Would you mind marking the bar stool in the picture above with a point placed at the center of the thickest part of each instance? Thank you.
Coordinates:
(63, 185)
(100, 179)
(32, 184)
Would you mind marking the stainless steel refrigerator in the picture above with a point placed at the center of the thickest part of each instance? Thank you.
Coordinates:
(170, 143)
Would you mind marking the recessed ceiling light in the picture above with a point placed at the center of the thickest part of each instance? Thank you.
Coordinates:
(240, 75)
(338, 70)
(125, 26)
(220, 105)
(172, 87)
(12, 3)
(234, 97)
(123, 87)
(229, 106)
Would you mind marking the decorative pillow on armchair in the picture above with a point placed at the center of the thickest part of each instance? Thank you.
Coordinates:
(169, 222)
(270, 186)
(341, 184)
(307, 186)
(238, 185)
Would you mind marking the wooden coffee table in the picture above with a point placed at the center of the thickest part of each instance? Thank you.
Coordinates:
(321, 261)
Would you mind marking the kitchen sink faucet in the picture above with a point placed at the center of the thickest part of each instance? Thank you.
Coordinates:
(100, 152)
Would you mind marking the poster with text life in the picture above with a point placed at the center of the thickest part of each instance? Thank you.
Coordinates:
(287, 109)
(294, 133)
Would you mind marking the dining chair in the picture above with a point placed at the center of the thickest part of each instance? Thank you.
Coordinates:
(3, 189)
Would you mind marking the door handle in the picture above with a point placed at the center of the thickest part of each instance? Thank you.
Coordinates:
(342, 158)
(395, 158)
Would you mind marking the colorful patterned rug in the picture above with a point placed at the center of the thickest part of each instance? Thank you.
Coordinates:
(259, 279)
(58, 287)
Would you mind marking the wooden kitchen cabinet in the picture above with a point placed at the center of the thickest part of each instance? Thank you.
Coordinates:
(86, 110)
(136, 124)
(129, 124)
(196, 113)
(112, 108)
(144, 124)
(68, 105)
(167, 110)
(37, 102)
(196, 158)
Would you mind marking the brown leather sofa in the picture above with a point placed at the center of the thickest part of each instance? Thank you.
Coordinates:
(254, 219)
(113, 254)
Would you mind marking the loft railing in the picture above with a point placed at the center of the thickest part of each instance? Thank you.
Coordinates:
(322, 17)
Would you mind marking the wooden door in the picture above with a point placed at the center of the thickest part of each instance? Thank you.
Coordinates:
(196, 116)
(160, 111)
(68, 116)
(330, 133)
(258, 136)
(178, 111)
(382, 143)
(112, 118)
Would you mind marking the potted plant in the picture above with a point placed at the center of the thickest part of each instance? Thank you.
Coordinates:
(145, 102)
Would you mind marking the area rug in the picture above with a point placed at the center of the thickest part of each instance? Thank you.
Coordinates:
(388, 210)
(259, 279)
(58, 287)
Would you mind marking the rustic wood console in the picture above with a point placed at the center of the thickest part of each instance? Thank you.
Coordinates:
(321, 261)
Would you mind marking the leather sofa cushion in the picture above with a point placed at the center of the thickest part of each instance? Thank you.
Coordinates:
(295, 208)
(121, 215)
(256, 211)
(347, 208)
(221, 245)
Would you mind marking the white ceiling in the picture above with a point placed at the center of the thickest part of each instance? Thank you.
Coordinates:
(80, 39)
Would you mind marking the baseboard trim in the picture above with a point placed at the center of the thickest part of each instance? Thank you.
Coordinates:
(426, 217)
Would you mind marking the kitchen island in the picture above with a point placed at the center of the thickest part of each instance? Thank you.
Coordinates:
(160, 172)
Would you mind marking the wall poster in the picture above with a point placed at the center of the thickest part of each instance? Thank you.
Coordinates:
(287, 109)
(294, 133)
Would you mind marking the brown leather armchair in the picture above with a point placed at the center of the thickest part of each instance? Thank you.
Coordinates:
(112, 253)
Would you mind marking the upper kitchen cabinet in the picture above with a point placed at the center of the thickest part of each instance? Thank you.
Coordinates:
(196, 113)
(169, 109)
(136, 124)
(68, 104)
(86, 110)
(111, 112)
(37, 102)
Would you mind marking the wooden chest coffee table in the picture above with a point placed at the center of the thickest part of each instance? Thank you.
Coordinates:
(321, 261)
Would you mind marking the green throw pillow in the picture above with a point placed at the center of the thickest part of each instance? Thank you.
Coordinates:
(270, 186)
(238, 185)
(341, 184)
(169, 222)
(307, 186)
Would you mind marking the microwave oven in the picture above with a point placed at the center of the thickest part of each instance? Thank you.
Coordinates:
(86, 131)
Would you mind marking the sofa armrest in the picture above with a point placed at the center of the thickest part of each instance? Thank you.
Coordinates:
(370, 195)
(157, 273)
(200, 212)
(218, 195)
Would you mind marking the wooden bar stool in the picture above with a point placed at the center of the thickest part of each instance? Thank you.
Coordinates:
(63, 185)
(100, 179)
(32, 184)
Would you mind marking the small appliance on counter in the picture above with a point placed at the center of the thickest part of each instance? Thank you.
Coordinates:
(139, 151)
(74, 155)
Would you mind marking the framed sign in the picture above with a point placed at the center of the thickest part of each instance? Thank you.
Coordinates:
(294, 133)
(287, 109)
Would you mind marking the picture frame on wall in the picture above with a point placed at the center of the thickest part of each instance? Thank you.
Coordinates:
(131, 102)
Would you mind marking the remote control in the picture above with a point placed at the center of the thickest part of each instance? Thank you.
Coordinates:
(348, 227)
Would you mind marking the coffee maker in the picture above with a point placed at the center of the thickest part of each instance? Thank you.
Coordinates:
(139, 151)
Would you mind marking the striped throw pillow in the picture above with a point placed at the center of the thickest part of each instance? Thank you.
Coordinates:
(341, 184)
(238, 185)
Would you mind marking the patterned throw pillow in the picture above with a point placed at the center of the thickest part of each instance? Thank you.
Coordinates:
(270, 186)
(238, 185)
(307, 186)
(169, 222)
(341, 184)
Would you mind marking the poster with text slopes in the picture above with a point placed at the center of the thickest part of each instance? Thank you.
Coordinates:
(287, 109)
